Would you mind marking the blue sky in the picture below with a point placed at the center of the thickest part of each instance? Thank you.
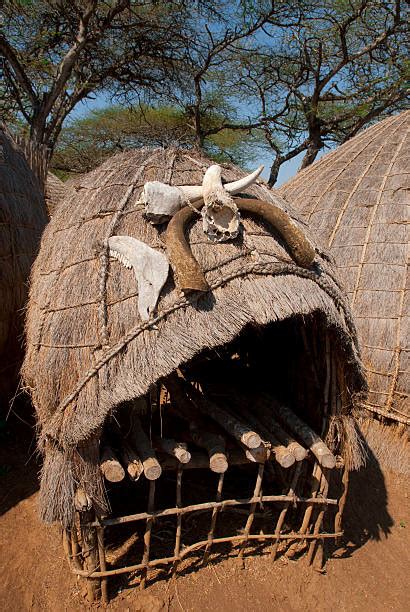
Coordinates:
(286, 172)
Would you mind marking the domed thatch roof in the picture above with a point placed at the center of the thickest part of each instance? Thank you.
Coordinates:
(87, 348)
(356, 199)
(23, 218)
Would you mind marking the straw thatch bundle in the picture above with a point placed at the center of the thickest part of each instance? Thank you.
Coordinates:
(55, 192)
(87, 348)
(23, 218)
(356, 198)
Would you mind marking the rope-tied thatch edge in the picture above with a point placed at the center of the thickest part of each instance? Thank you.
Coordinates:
(52, 432)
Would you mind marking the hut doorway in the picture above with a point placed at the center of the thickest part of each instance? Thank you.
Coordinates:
(239, 451)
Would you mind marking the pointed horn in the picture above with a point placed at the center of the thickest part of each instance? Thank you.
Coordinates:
(194, 192)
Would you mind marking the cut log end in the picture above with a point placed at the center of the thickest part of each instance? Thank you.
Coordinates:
(297, 451)
(251, 439)
(110, 466)
(218, 463)
(152, 468)
(328, 460)
(285, 458)
(183, 455)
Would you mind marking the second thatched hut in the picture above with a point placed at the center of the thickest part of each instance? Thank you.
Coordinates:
(357, 200)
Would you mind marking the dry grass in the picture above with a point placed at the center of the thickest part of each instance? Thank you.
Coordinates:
(22, 220)
(55, 192)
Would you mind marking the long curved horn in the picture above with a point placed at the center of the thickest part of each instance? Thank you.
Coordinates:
(299, 246)
(189, 276)
(194, 192)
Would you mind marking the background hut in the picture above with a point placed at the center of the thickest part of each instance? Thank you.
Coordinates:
(356, 199)
(23, 218)
(90, 356)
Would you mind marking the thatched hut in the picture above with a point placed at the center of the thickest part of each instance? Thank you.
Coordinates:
(356, 200)
(23, 218)
(262, 320)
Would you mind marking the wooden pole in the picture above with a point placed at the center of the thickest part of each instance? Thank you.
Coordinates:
(214, 517)
(89, 548)
(131, 461)
(178, 533)
(152, 468)
(229, 423)
(282, 436)
(248, 525)
(147, 534)
(215, 446)
(305, 433)
(103, 564)
(283, 455)
(173, 448)
(110, 466)
(284, 510)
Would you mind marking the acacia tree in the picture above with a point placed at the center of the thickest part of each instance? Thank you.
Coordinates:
(57, 53)
(87, 141)
(312, 77)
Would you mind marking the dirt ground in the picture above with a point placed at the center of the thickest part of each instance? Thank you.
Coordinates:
(369, 571)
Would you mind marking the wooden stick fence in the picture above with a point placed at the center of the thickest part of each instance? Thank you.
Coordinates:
(94, 568)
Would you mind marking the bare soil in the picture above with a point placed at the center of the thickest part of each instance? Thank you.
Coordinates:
(369, 571)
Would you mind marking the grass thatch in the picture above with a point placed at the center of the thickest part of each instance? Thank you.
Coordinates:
(356, 198)
(87, 349)
(23, 218)
(55, 192)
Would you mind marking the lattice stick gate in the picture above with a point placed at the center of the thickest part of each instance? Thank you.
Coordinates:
(85, 543)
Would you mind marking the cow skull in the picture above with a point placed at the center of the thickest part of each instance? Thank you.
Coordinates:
(220, 215)
(163, 201)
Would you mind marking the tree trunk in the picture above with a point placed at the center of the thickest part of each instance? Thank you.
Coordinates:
(274, 171)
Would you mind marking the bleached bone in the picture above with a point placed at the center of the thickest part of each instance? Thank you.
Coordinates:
(220, 215)
(195, 192)
(161, 201)
(150, 269)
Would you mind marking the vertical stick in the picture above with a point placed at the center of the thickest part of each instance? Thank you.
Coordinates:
(75, 547)
(177, 548)
(282, 515)
(316, 477)
(90, 553)
(215, 512)
(252, 509)
(103, 563)
(147, 534)
(315, 544)
(327, 385)
(342, 501)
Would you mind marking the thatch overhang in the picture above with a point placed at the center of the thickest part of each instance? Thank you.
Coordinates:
(22, 220)
(356, 200)
(87, 349)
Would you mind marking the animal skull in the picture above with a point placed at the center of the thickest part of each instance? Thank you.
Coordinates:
(150, 269)
(163, 201)
(220, 215)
